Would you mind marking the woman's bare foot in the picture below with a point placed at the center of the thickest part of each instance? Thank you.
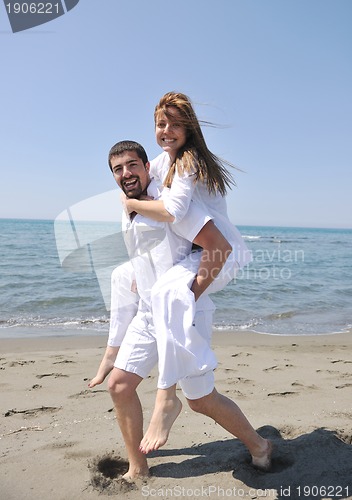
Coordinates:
(164, 415)
(103, 371)
(262, 461)
(98, 379)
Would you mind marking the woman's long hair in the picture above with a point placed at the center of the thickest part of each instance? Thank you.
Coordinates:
(194, 154)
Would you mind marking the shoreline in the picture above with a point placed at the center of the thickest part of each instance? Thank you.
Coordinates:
(26, 334)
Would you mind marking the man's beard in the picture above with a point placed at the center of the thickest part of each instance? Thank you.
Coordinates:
(135, 191)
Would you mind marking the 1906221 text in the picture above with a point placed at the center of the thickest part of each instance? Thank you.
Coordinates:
(33, 8)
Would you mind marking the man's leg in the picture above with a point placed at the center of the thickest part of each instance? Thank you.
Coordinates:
(202, 397)
(227, 414)
(136, 357)
(122, 388)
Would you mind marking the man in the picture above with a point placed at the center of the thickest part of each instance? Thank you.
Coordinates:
(138, 354)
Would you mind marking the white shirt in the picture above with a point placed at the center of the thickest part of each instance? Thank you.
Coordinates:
(154, 247)
(183, 190)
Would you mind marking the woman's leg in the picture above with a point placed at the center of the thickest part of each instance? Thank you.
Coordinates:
(124, 305)
(124, 302)
(196, 358)
(183, 349)
(167, 408)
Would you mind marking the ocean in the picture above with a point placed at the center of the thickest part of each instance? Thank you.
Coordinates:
(300, 280)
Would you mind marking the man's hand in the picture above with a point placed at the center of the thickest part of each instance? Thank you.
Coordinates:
(216, 250)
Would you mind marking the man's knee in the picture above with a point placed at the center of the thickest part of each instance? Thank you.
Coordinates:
(122, 384)
(201, 405)
(204, 404)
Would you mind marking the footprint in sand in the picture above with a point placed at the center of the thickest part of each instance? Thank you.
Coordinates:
(35, 387)
(63, 362)
(298, 384)
(330, 372)
(60, 446)
(33, 412)
(282, 394)
(343, 386)
(87, 393)
(20, 363)
(241, 354)
(277, 367)
(237, 394)
(56, 375)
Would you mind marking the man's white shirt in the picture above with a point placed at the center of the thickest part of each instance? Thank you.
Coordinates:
(154, 247)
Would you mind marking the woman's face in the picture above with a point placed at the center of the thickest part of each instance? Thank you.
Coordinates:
(170, 133)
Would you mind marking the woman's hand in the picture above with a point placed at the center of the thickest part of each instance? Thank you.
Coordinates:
(127, 204)
(146, 206)
(146, 197)
(130, 205)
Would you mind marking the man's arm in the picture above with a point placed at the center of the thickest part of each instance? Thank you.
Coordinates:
(216, 250)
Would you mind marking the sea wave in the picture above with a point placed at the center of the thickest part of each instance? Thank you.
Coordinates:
(247, 237)
(39, 322)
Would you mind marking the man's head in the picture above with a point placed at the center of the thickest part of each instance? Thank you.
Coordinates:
(129, 164)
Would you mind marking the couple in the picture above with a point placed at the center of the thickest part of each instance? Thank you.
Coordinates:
(163, 313)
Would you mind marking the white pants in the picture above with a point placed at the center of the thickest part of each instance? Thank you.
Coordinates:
(181, 347)
(139, 352)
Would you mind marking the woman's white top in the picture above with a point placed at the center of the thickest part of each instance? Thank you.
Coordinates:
(185, 190)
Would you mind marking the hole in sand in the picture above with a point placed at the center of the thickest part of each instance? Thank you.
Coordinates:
(112, 467)
(278, 464)
(106, 475)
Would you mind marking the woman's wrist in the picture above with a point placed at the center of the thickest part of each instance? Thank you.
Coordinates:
(131, 205)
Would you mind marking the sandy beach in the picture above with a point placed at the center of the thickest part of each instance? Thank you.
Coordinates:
(59, 439)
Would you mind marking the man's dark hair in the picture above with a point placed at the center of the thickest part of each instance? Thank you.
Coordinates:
(123, 146)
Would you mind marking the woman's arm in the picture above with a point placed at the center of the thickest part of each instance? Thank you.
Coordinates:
(174, 203)
(153, 209)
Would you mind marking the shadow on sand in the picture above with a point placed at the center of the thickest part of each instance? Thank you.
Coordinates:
(315, 466)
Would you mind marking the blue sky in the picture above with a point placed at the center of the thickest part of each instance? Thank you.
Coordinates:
(277, 74)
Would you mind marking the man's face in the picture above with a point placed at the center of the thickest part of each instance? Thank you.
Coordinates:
(130, 173)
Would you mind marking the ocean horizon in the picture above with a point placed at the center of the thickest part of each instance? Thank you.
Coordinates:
(52, 283)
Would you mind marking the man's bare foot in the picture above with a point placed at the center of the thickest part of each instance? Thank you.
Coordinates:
(263, 461)
(164, 415)
(133, 475)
